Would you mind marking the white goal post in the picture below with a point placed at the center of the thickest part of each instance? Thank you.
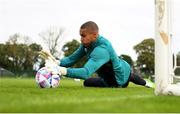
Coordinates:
(163, 52)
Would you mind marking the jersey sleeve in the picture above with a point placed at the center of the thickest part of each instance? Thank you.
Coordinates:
(98, 57)
(70, 60)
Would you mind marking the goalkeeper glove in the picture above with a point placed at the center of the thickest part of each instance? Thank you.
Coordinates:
(46, 55)
(55, 69)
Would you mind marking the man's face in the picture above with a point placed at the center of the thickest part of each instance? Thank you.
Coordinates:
(87, 37)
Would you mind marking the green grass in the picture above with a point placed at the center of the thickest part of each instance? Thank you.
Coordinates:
(23, 95)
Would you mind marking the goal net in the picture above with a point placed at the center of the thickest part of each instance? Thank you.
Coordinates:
(167, 80)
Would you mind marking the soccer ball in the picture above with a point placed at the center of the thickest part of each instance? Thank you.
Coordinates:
(45, 79)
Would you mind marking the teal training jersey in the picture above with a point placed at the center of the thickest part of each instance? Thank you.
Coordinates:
(99, 53)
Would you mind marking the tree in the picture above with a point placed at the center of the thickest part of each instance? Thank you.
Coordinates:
(19, 39)
(18, 57)
(145, 59)
(178, 59)
(51, 38)
(69, 48)
(3, 56)
(127, 58)
(177, 70)
(34, 49)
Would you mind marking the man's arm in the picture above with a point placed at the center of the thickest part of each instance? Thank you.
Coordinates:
(98, 57)
(70, 60)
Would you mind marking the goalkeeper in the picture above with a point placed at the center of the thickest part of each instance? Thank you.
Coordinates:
(112, 71)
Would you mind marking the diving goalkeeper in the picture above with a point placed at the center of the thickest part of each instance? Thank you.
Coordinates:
(112, 71)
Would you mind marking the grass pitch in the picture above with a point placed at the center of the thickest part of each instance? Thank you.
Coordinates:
(23, 95)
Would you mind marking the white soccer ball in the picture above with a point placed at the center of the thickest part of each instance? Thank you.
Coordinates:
(45, 79)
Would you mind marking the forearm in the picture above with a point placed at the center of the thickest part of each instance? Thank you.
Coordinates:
(66, 62)
(81, 73)
(71, 59)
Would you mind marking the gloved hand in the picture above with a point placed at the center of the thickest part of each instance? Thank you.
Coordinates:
(52, 64)
(55, 69)
(49, 59)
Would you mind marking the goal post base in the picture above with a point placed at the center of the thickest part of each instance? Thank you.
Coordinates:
(170, 89)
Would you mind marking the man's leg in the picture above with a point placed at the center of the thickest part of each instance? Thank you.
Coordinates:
(140, 81)
(137, 80)
(95, 82)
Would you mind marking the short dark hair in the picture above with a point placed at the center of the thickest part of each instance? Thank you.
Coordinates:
(90, 25)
